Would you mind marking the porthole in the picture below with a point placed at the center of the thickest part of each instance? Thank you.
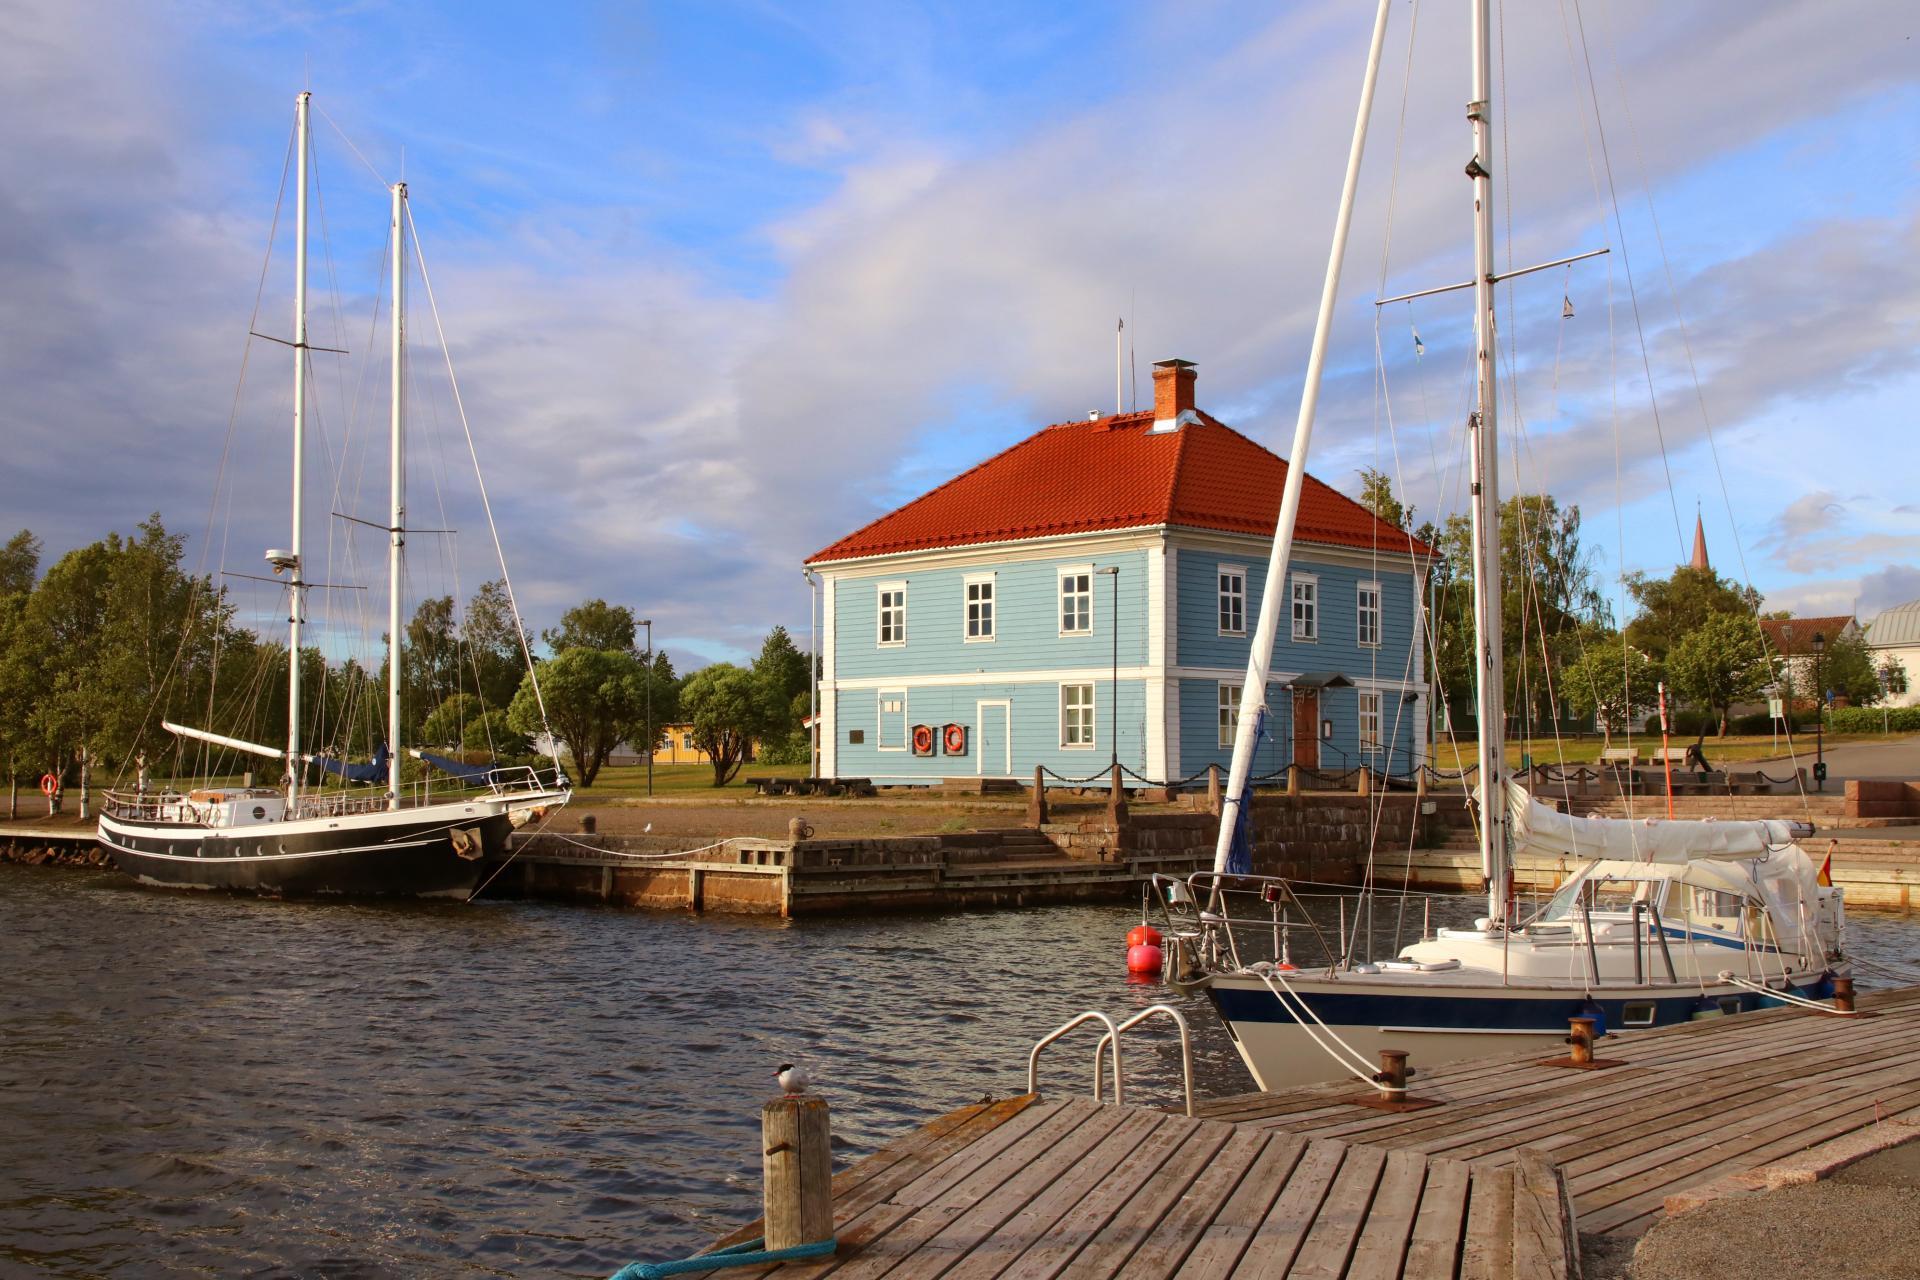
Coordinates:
(259, 811)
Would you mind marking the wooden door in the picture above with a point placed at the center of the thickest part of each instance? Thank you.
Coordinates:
(1306, 728)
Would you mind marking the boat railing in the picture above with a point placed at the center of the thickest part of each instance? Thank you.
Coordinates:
(1234, 921)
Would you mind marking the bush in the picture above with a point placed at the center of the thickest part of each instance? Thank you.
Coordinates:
(1874, 720)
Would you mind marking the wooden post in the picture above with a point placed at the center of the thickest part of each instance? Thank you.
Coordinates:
(1365, 786)
(797, 1166)
(1117, 801)
(1037, 799)
(1293, 779)
(1214, 804)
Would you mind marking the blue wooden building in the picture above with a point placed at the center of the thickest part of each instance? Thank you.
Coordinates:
(1087, 595)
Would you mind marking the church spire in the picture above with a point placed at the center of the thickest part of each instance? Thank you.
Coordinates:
(1699, 543)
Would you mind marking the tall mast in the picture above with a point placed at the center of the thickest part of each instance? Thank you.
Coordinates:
(1487, 619)
(396, 530)
(1253, 694)
(296, 589)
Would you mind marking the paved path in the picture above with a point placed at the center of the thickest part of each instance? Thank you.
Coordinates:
(1894, 757)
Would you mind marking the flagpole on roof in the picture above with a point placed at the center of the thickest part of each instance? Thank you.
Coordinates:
(1253, 694)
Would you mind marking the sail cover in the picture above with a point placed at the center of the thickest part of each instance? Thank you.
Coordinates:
(1545, 832)
(374, 772)
(481, 773)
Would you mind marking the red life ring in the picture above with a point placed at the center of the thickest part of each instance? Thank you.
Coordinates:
(922, 740)
(954, 740)
(48, 784)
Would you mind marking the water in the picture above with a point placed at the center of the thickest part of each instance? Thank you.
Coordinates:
(212, 1085)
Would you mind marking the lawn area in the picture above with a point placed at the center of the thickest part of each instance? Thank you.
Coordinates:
(1732, 748)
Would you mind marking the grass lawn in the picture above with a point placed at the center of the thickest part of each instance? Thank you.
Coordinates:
(1733, 748)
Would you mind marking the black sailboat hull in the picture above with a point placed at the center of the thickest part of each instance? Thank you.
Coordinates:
(406, 857)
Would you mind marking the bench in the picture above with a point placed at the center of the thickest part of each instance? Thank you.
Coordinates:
(1619, 759)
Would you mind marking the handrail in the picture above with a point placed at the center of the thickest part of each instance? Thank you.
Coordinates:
(1091, 1015)
(1186, 1049)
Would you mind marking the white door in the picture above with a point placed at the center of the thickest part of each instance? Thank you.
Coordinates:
(993, 738)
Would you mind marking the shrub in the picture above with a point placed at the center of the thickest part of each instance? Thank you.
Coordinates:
(1874, 720)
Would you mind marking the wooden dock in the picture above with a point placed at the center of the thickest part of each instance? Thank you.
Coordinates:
(1496, 1182)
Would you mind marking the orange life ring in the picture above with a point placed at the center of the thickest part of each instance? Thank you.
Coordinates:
(954, 740)
(922, 740)
(48, 784)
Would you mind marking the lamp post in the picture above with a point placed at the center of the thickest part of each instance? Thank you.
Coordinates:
(1113, 715)
(1819, 716)
(653, 731)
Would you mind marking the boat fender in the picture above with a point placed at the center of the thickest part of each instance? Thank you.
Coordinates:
(1143, 935)
(1142, 958)
(1592, 1009)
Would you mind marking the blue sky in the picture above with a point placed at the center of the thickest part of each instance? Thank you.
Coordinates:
(723, 281)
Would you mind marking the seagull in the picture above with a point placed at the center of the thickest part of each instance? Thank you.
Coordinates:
(793, 1080)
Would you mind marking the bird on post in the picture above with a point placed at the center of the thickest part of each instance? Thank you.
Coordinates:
(793, 1080)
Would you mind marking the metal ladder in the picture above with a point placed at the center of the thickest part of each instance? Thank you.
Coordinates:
(1112, 1037)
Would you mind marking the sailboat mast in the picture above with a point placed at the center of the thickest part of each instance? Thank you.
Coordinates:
(1487, 614)
(396, 530)
(296, 589)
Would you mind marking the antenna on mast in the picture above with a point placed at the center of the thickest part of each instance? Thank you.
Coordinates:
(1119, 365)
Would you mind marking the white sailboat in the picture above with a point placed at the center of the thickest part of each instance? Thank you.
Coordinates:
(1658, 922)
(411, 840)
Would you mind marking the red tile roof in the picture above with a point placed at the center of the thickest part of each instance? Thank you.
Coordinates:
(1115, 473)
(1795, 635)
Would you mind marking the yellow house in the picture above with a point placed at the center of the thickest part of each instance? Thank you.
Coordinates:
(677, 747)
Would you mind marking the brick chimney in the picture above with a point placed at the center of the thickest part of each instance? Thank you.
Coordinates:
(1173, 394)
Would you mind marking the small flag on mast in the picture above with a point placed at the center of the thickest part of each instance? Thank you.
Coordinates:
(1566, 307)
(1419, 347)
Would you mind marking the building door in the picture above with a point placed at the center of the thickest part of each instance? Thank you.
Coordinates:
(1306, 728)
(993, 739)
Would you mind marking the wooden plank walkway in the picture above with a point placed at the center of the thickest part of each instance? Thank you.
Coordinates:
(1495, 1183)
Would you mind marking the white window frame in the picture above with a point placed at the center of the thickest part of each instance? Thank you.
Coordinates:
(1227, 708)
(1376, 744)
(1360, 612)
(1092, 713)
(1311, 581)
(1070, 572)
(967, 603)
(880, 698)
(880, 610)
(1221, 595)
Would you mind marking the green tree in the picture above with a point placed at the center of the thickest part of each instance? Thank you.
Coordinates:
(663, 706)
(594, 624)
(19, 568)
(429, 662)
(1847, 670)
(447, 725)
(1671, 608)
(19, 564)
(592, 696)
(729, 708)
(1376, 495)
(493, 645)
(1720, 662)
(1611, 681)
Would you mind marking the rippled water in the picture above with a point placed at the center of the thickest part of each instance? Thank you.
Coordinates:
(212, 1085)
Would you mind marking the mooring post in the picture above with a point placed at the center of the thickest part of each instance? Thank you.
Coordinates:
(1580, 1041)
(1365, 785)
(588, 824)
(1293, 779)
(1843, 993)
(797, 1168)
(1393, 1071)
(1037, 798)
(1117, 801)
(1214, 805)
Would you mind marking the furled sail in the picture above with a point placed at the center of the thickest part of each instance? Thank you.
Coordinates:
(373, 772)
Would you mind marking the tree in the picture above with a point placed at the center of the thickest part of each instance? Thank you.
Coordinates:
(663, 705)
(429, 662)
(729, 708)
(19, 567)
(1376, 495)
(19, 564)
(592, 696)
(1611, 681)
(1672, 607)
(493, 645)
(447, 726)
(1847, 670)
(594, 624)
(1719, 663)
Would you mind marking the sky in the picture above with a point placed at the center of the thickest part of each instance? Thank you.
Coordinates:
(722, 282)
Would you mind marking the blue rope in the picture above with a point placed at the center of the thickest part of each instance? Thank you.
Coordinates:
(749, 1254)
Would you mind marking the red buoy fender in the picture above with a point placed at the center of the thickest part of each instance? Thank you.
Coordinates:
(48, 784)
(1143, 935)
(1143, 959)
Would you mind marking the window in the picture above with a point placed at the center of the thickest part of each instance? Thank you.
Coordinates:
(893, 720)
(1370, 742)
(1229, 712)
(1233, 600)
(686, 740)
(1076, 602)
(1306, 610)
(980, 608)
(1369, 606)
(1076, 715)
(893, 613)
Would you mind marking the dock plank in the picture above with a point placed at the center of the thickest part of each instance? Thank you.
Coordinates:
(1113, 1246)
(1433, 1251)
(1336, 1228)
(1488, 1251)
(1545, 1246)
(1228, 1235)
(1280, 1234)
(1383, 1243)
(1166, 1250)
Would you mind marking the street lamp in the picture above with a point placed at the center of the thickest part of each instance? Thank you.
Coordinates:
(1113, 716)
(1819, 716)
(653, 732)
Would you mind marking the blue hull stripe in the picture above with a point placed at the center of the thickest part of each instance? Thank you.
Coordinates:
(1519, 1013)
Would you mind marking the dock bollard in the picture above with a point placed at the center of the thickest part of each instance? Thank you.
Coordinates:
(587, 824)
(797, 1171)
(1843, 994)
(1393, 1070)
(1581, 1041)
